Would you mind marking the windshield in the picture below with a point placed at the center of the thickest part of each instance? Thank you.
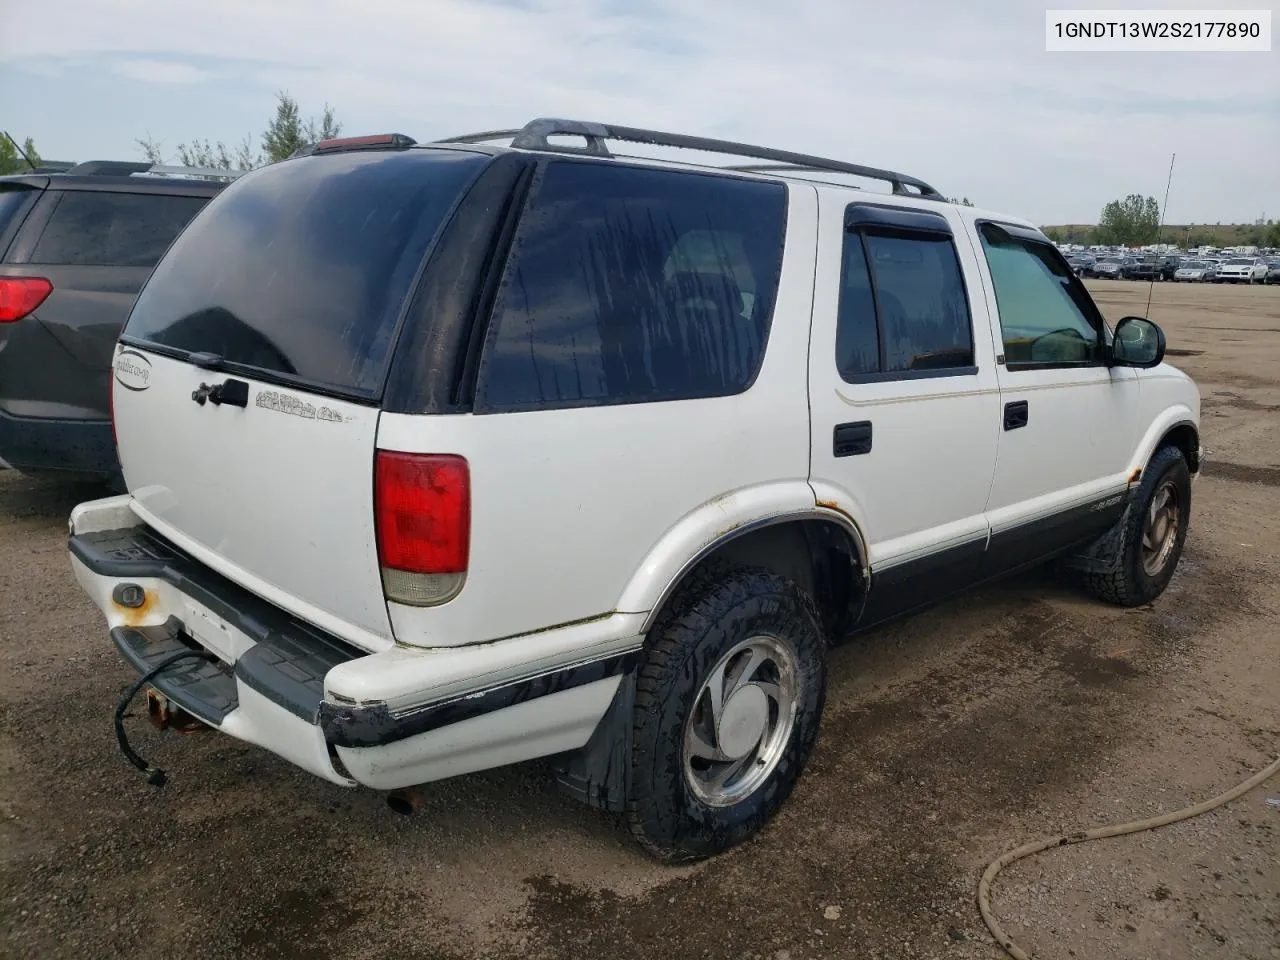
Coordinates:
(1239, 262)
(301, 268)
(1194, 265)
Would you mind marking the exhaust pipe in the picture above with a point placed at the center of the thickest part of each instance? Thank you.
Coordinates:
(405, 801)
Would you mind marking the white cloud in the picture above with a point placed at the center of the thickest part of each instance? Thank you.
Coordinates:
(160, 71)
(963, 95)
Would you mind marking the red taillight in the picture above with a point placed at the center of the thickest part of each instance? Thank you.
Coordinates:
(20, 295)
(422, 510)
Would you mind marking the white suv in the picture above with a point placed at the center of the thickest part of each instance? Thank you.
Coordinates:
(448, 456)
(1242, 270)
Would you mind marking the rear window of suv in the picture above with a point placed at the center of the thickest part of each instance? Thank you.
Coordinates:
(629, 285)
(113, 229)
(300, 269)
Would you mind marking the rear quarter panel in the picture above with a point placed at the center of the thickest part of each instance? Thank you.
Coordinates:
(569, 506)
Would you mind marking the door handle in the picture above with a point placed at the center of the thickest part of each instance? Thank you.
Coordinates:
(851, 439)
(1016, 414)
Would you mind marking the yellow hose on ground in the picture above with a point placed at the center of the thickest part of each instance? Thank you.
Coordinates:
(1098, 833)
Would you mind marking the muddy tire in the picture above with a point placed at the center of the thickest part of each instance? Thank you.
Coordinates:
(729, 694)
(1151, 534)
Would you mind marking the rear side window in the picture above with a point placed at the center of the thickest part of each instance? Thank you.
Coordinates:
(15, 201)
(903, 307)
(300, 269)
(631, 285)
(113, 229)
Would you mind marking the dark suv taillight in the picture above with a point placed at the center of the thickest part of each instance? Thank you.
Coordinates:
(20, 295)
(422, 511)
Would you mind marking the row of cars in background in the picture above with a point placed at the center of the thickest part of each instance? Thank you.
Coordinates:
(1177, 268)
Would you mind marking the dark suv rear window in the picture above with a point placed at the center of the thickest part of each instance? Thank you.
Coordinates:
(300, 269)
(113, 229)
(630, 284)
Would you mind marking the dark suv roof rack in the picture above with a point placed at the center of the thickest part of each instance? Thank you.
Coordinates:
(129, 168)
(536, 135)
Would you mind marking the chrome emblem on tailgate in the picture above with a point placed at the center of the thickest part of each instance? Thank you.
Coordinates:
(133, 370)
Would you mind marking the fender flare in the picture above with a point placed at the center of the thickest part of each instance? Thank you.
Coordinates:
(711, 525)
(1171, 418)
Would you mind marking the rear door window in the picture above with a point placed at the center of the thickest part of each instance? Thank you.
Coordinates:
(903, 308)
(300, 269)
(629, 285)
(113, 229)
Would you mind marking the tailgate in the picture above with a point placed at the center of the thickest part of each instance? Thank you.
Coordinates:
(285, 293)
(275, 495)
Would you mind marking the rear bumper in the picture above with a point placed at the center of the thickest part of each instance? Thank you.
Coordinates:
(401, 717)
(70, 446)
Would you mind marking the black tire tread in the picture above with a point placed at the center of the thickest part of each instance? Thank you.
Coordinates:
(1119, 585)
(677, 627)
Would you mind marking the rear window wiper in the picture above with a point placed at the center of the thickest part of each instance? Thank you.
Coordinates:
(209, 361)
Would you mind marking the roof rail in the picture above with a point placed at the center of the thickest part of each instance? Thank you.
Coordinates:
(483, 137)
(536, 135)
(129, 168)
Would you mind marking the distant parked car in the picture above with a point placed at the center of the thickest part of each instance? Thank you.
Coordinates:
(1080, 263)
(75, 249)
(1242, 270)
(1195, 271)
(1106, 268)
(1273, 271)
(1134, 268)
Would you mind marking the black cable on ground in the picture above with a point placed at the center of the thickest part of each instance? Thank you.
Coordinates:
(155, 776)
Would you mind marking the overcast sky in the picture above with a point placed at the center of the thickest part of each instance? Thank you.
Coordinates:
(961, 94)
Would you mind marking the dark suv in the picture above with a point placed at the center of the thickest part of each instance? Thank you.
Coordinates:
(75, 249)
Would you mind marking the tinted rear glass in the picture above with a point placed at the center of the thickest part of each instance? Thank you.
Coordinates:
(113, 229)
(15, 200)
(301, 268)
(629, 285)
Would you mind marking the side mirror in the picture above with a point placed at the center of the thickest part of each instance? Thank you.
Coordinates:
(1138, 343)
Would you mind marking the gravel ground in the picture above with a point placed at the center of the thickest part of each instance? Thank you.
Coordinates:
(1015, 712)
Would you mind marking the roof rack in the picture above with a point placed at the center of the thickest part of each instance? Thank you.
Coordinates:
(129, 168)
(536, 135)
(483, 137)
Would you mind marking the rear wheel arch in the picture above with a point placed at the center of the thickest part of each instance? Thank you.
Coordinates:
(824, 556)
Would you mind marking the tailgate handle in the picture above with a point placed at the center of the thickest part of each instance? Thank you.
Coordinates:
(231, 391)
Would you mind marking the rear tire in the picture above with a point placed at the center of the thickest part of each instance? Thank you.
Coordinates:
(1152, 532)
(735, 668)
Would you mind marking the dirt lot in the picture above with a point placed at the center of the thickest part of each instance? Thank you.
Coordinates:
(1019, 711)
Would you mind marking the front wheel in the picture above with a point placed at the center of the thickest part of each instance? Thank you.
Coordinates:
(1150, 534)
(728, 698)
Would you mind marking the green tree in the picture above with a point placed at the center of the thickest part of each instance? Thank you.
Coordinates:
(11, 160)
(1056, 235)
(1133, 220)
(287, 131)
(1272, 236)
(965, 202)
